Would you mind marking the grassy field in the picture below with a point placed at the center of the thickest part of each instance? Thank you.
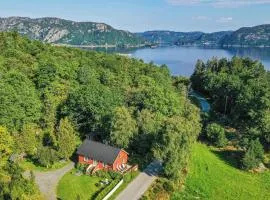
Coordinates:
(213, 177)
(28, 165)
(70, 186)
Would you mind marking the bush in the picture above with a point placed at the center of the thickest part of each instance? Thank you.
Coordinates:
(216, 134)
(254, 155)
(168, 186)
(102, 174)
(81, 167)
(46, 156)
(128, 176)
(114, 175)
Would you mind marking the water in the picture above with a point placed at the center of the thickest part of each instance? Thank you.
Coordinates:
(182, 60)
(205, 106)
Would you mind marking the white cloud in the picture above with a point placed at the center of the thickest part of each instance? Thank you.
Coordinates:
(224, 20)
(218, 3)
(202, 18)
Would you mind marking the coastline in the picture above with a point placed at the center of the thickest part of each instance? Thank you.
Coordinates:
(98, 46)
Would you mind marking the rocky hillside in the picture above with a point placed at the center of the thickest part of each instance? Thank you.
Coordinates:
(249, 36)
(55, 30)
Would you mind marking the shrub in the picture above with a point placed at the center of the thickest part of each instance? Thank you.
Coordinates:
(114, 175)
(46, 156)
(128, 176)
(102, 174)
(254, 155)
(81, 167)
(168, 186)
(216, 134)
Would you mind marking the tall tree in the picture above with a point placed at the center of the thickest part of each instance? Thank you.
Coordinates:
(6, 143)
(123, 127)
(67, 138)
(28, 140)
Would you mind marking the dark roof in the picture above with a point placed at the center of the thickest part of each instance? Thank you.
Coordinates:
(98, 151)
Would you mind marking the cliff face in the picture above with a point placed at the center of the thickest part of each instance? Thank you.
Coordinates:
(55, 30)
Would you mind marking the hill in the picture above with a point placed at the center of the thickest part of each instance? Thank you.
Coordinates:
(169, 37)
(212, 177)
(60, 31)
(185, 38)
(249, 36)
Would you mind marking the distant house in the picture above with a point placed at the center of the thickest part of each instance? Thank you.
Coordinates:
(101, 157)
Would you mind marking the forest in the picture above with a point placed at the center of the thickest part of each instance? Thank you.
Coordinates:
(239, 91)
(53, 97)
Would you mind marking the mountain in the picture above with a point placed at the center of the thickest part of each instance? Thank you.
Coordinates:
(169, 37)
(185, 38)
(60, 31)
(249, 36)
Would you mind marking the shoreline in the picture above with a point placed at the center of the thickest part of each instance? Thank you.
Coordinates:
(98, 46)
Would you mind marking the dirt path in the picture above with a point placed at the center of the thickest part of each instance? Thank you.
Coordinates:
(47, 181)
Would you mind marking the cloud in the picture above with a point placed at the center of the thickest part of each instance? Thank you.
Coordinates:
(218, 3)
(224, 20)
(202, 18)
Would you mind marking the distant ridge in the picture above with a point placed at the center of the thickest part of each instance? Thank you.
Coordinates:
(61, 31)
(257, 36)
(93, 34)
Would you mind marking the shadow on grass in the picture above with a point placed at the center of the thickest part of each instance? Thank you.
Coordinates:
(230, 157)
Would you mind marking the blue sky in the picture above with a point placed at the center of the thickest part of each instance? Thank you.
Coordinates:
(142, 15)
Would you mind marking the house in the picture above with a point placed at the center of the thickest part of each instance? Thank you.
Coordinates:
(101, 157)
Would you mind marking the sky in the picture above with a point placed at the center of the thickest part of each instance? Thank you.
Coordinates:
(144, 15)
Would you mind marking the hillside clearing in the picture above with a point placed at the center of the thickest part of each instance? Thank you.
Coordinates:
(212, 178)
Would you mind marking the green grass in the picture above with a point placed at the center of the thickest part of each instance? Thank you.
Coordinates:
(211, 177)
(70, 186)
(29, 165)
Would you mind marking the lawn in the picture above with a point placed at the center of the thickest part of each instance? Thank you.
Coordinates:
(211, 177)
(71, 185)
(29, 165)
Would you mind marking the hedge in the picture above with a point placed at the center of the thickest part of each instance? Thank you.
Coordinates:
(107, 189)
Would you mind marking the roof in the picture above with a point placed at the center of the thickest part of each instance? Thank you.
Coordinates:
(98, 151)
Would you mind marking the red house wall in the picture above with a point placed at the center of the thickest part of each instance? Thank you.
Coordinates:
(122, 158)
(81, 160)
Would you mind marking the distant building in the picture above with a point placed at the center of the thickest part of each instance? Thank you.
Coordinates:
(101, 157)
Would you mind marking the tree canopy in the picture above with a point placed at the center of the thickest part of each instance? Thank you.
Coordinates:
(49, 93)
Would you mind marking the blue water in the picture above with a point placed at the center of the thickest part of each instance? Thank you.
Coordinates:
(205, 106)
(182, 60)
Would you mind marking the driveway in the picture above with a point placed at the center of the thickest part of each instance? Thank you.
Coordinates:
(47, 181)
(138, 187)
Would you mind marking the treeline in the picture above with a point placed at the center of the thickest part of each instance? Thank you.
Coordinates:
(239, 90)
(53, 97)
